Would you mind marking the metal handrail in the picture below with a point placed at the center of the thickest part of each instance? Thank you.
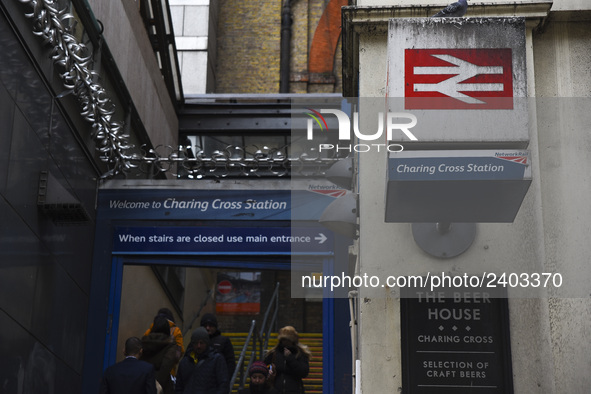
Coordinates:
(240, 363)
(264, 336)
(250, 361)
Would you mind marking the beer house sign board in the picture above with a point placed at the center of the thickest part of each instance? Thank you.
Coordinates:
(455, 342)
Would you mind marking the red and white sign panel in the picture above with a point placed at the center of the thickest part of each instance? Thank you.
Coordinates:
(465, 80)
(479, 78)
(238, 293)
(225, 287)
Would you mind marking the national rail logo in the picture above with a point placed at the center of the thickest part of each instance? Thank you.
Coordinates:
(469, 78)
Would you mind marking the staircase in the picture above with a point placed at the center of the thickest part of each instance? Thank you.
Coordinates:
(313, 383)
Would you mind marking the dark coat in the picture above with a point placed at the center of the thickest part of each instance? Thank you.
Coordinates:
(163, 353)
(267, 390)
(174, 331)
(130, 376)
(205, 375)
(223, 345)
(290, 370)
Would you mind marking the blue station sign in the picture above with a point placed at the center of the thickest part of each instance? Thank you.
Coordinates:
(223, 240)
(468, 186)
(234, 205)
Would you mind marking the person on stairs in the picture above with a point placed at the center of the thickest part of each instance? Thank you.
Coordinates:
(259, 380)
(161, 350)
(290, 362)
(219, 343)
(202, 370)
(174, 330)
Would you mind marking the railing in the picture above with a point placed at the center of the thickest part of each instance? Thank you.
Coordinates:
(265, 335)
(240, 364)
(232, 161)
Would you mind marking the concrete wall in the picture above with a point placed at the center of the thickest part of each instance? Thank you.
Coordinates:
(141, 297)
(549, 336)
(562, 52)
(570, 5)
(128, 41)
(195, 27)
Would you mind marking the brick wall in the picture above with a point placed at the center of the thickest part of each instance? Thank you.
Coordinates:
(248, 46)
(249, 40)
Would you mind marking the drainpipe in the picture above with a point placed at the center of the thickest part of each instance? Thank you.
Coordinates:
(285, 51)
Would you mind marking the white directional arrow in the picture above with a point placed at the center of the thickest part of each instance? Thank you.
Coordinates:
(464, 70)
(321, 238)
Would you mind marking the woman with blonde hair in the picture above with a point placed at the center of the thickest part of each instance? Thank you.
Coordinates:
(290, 362)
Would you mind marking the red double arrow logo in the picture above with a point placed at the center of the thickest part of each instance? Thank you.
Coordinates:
(458, 79)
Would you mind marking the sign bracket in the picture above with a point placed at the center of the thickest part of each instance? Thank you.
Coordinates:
(444, 239)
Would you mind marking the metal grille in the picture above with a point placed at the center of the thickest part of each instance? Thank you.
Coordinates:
(229, 162)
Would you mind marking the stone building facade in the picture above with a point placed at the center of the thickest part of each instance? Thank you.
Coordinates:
(549, 334)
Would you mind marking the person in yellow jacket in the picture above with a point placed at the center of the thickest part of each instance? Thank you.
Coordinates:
(174, 330)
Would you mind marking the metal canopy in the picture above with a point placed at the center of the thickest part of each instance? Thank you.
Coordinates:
(242, 113)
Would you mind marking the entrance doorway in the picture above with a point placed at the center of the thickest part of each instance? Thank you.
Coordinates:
(191, 288)
(190, 292)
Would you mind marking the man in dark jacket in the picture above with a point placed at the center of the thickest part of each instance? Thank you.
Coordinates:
(202, 370)
(220, 343)
(130, 376)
